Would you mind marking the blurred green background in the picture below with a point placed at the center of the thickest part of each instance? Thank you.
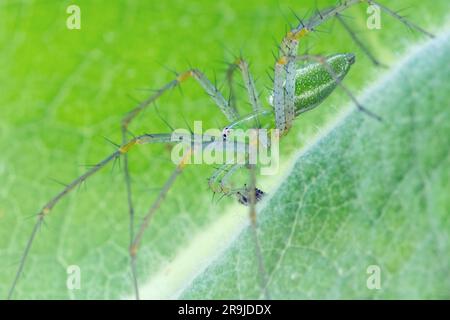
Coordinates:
(63, 90)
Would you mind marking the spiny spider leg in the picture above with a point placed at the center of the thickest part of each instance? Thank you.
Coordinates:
(46, 209)
(279, 96)
(230, 82)
(219, 181)
(250, 197)
(289, 48)
(49, 206)
(402, 19)
(214, 182)
(249, 84)
(224, 181)
(243, 66)
(358, 42)
(125, 123)
(201, 79)
(323, 16)
(254, 226)
(154, 207)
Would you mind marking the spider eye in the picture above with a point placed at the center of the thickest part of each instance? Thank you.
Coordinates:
(225, 133)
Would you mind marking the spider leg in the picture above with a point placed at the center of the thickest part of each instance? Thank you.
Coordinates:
(201, 79)
(224, 181)
(290, 48)
(216, 183)
(232, 67)
(284, 84)
(151, 212)
(253, 197)
(358, 42)
(243, 66)
(48, 207)
(279, 96)
(322, 16)
(219, 180)
(402, 19)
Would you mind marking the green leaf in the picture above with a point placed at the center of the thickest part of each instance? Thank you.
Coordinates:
(63, 90)
(365, 194)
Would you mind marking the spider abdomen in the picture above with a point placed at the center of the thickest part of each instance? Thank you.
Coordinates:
(314, 82)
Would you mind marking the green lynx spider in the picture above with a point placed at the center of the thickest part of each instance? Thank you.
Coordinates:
(297, 88)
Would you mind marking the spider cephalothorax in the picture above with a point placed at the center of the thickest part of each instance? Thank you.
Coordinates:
(243, 196)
